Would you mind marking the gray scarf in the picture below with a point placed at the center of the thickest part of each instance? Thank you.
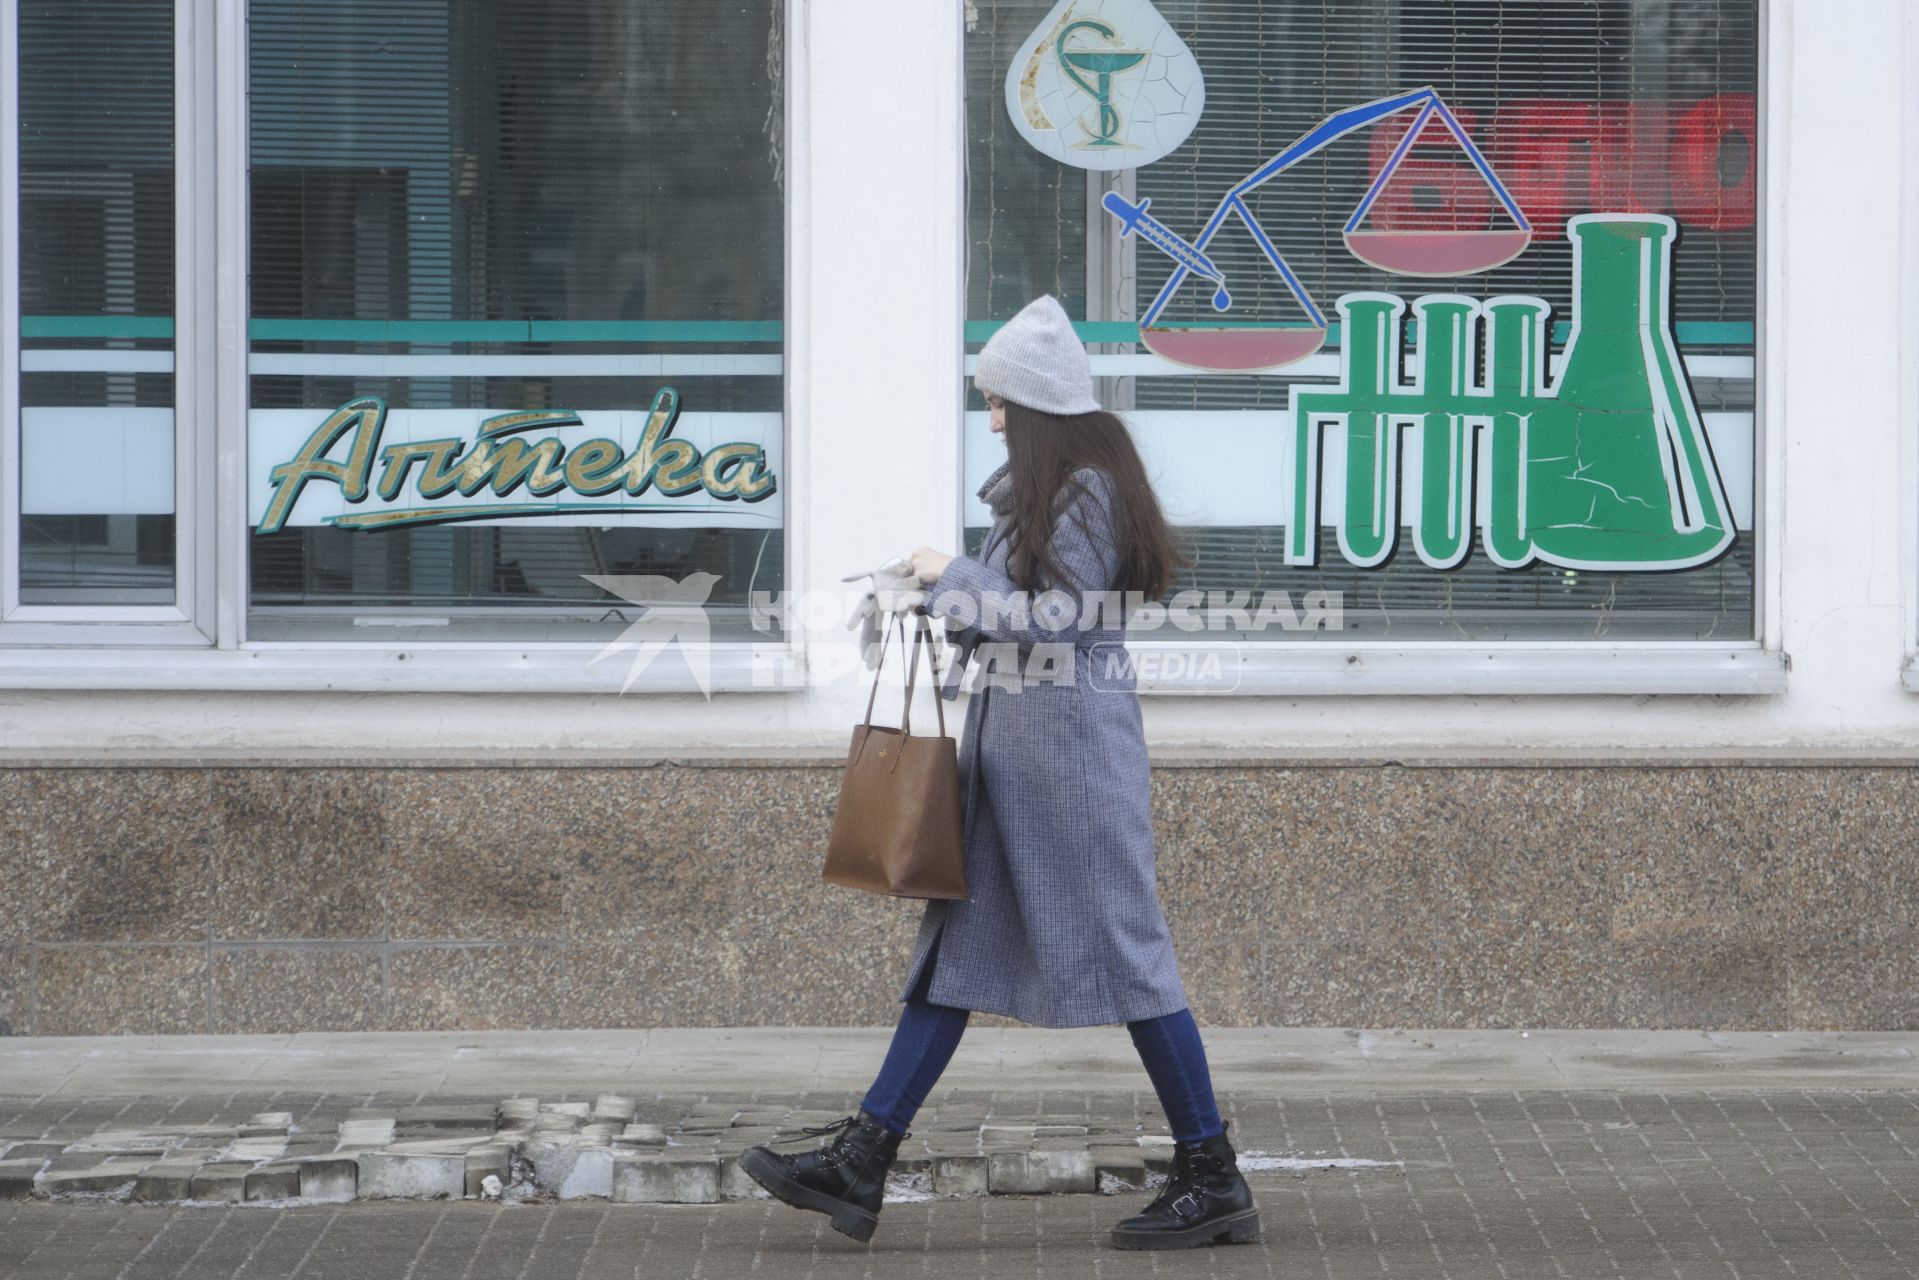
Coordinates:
(997, 492)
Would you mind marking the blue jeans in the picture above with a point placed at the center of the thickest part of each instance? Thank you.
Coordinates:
(928, 1033)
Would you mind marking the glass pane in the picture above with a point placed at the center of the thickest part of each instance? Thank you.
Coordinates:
(96, 302)
(517, 285)
(1530, 487)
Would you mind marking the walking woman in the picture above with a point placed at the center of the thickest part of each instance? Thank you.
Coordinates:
(1062, 928)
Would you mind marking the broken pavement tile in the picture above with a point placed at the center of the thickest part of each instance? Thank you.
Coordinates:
(411, 1175)
(666, 1179)
(273, 1182)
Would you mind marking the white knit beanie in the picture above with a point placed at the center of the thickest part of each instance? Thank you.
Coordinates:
(1037, 360)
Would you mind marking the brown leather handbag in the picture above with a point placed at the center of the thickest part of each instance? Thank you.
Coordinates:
(898, 828)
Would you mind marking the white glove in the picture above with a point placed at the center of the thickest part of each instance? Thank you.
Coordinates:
(895, 591)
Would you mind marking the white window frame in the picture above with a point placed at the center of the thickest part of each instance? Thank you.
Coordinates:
(1908, 357)
(199, 642)
(186, 621)
(1756, 666)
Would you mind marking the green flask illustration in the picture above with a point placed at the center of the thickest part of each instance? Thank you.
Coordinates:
(1605, 467)
(1618, 473)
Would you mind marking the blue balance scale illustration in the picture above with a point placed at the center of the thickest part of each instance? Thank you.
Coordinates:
(1238, 345)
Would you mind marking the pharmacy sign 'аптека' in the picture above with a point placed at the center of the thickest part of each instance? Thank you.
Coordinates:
(367, 467)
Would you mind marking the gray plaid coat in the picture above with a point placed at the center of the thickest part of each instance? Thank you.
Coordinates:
(1062, 927)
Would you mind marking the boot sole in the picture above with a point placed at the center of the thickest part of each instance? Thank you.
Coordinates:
(1241, 1228)
(848, 1219)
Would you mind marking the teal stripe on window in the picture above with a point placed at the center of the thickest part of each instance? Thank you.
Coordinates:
(397, 331)
(1709, 333)
(514, 330)
(148, 327)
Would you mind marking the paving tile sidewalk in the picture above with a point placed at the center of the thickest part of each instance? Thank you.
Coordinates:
(1641, 1154)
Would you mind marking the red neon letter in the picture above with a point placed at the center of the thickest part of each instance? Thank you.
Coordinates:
(1430, 191)
(1631, 158)
(1545, 151)
(1715, 163)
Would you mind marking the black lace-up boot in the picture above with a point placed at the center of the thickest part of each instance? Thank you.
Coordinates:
(1205, 1200)
(845, 1179)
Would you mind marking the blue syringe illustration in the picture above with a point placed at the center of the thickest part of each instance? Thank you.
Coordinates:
(1133, 217)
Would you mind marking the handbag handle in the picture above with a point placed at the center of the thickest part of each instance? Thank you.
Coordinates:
(921, 622)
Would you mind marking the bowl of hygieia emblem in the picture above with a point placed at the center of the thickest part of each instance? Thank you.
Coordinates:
(1102, 64)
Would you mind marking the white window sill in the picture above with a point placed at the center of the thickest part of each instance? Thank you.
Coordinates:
(731, 668)
(1210, 670)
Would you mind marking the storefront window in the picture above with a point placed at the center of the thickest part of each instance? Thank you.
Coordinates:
(96, 224)
(1443, 309)
(517, 285)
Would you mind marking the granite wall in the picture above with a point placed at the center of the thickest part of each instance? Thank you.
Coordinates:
(280, 899)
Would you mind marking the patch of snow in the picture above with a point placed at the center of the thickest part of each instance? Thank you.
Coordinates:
(908, 1188)
(284, 1202)
(1261, 1162)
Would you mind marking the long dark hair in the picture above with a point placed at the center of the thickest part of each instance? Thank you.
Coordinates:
(1043, 450)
